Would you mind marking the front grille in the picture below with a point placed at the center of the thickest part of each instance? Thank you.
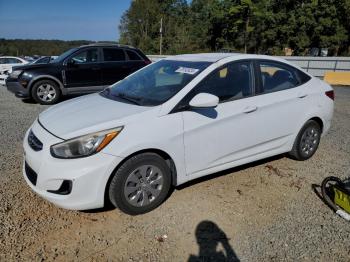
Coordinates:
(34, 142)
(30, 173)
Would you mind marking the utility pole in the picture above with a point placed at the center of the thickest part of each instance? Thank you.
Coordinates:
(161, 36)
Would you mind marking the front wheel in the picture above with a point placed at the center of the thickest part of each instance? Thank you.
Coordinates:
(141, 184)
(307, 141)
(46, 92)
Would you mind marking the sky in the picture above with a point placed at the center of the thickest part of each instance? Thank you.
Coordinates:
(61, 19)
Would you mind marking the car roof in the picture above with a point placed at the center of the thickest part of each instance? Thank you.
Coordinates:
(215, 57)
(108, 45)
(202, 57)
(11, 57)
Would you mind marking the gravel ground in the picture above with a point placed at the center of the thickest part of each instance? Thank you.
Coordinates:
(266, 211)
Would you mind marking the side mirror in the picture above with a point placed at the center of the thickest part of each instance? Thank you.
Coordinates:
(204, 100)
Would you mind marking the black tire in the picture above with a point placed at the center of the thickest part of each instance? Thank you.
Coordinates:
(117, 188)
(301, 150)
(53, 86)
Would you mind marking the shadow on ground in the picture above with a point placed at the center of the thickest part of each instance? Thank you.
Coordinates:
(213, 244)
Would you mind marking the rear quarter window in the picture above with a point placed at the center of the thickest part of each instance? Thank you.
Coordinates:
(303, 78)
(133, 56)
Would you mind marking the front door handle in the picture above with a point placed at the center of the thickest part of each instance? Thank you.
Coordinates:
(250, 109)
(96, 68)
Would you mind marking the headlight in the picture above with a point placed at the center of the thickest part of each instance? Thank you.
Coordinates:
(84, 146)
(15, 74)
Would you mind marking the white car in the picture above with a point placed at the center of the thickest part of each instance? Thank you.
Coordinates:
(6, 64)
(178, 119)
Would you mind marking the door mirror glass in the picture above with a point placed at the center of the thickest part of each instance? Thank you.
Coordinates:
(204, 100)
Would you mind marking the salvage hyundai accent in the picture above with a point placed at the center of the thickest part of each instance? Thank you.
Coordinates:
(181, 118)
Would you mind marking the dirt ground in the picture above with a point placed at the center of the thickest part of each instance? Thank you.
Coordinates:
(265, 211)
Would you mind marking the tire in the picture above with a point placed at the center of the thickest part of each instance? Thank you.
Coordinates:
(132, 191)
(307, 141)
(46, 92)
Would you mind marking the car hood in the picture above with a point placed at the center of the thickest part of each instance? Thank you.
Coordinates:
(88, 114)
(33, 66)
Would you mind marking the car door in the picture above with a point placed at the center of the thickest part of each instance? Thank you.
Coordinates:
(281, 101)
(257, 122)
(217, 136)
(83, 69)
(114, 66)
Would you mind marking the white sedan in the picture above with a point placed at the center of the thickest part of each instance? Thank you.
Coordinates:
(6, 64)
(175, 120)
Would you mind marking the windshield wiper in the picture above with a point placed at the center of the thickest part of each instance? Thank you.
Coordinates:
(134, 100)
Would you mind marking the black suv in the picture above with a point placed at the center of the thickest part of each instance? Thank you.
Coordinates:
(81, 70)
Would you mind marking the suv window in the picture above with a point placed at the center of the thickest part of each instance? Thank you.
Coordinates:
(133, 56)
(86, 56)
(3, 60)
(277, 77)
(113, 54)
(232, 81)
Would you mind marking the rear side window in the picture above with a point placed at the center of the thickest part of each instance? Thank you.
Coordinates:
(232, 81)
(3, 61)
(276, 77)
(133, 56)
(113, 54)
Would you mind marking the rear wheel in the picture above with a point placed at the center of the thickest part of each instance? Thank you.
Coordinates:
(307, 141)
(46, 92)
(141, 184)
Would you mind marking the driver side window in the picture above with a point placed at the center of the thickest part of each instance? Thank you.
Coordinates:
(86, 56)
(229, 82)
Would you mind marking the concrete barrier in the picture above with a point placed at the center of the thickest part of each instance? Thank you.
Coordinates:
(337, 78)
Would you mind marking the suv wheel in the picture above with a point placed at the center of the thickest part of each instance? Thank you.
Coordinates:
(46, 92)
(141, 184)
(307, 141)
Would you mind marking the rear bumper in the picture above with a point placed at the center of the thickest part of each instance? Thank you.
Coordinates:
(16, 88)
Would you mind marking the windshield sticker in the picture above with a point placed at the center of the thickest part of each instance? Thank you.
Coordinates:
(187, 70)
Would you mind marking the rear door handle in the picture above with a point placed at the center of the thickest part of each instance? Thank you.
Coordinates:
(96, 68)
(250, 109)
(302, 95)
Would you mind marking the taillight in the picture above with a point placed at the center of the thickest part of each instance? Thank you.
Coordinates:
(147, 62)
(330, 94)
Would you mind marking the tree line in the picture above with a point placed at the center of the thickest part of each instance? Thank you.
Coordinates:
(24, 47)
(264, 26)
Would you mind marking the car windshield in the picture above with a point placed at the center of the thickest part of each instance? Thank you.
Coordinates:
(64, 55)
(156, 83)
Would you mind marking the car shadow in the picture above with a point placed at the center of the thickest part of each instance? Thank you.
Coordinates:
(213, 244)
(229, 171)
(109, 206)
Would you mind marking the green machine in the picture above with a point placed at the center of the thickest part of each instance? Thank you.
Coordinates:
(336, 193)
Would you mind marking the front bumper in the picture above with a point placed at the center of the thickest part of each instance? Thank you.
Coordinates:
(89, 175)
(3, 79)
(16, 88)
